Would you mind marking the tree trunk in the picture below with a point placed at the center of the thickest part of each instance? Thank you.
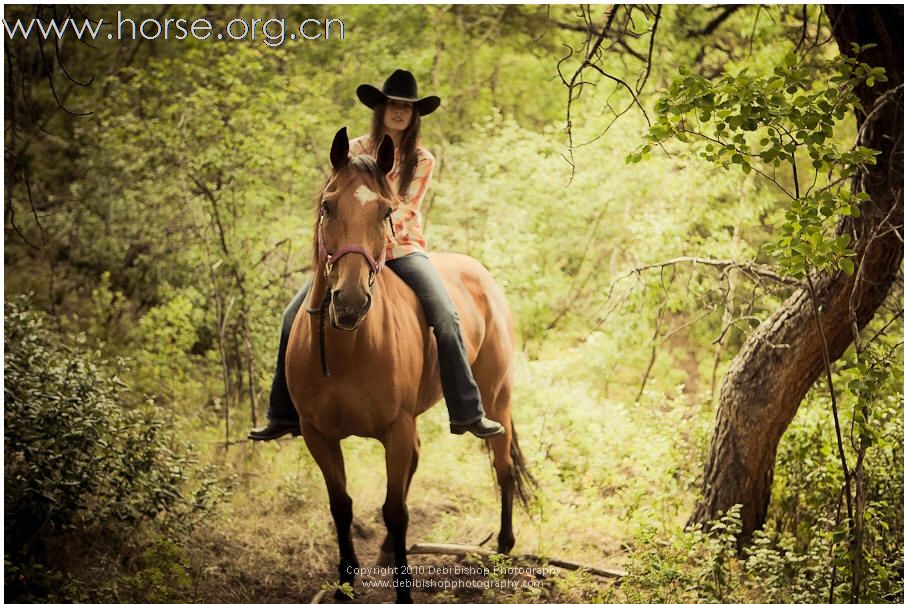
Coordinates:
(780, 361)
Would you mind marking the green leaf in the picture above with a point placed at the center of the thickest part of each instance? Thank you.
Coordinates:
(847, 265)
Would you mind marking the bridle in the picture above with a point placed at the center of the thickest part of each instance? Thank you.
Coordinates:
(329, 259)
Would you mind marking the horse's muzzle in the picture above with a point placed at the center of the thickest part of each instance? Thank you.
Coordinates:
(345, 316)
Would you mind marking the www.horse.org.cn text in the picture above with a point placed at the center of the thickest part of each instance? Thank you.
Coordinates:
(272, 32)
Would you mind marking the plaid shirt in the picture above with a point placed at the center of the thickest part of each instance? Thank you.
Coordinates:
(409, 234)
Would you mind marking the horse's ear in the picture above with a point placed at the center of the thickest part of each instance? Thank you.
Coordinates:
(386, 154)
(339, 150)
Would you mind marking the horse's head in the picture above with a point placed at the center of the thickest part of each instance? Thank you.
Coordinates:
(351, 228)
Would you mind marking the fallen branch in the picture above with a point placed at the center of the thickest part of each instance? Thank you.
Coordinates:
(463, 550)
(318, 597)
(454, 549)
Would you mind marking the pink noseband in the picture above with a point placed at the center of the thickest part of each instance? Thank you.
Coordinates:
(329, 259)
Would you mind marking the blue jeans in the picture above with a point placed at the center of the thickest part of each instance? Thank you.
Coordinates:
(459, 388)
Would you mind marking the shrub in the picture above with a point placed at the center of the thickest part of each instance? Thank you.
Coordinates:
(78, 455)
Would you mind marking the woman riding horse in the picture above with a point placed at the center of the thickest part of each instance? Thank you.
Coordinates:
(397, 112)
(378, 368)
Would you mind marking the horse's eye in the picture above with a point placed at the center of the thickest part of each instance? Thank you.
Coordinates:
(325, 207)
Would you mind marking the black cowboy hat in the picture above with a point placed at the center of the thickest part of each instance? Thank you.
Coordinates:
(400, 86)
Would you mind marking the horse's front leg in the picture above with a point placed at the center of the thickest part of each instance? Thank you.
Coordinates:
(328, 455)
(401, 451)
(387, 554)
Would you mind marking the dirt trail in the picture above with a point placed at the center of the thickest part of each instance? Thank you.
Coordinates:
(431, 573)
(273, 564)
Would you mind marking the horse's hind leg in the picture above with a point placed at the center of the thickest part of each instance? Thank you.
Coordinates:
(504, 465)
(387, 557)
(401, 446)
(328, 455)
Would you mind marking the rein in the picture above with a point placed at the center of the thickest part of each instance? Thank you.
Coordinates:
(324, 309)
(328, 261)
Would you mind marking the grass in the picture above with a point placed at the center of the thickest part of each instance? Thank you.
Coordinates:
(606, 467)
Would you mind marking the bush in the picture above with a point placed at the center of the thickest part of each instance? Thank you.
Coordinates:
(705, 567)
(78, 456)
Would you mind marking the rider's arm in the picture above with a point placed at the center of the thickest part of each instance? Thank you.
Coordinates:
(423, 172)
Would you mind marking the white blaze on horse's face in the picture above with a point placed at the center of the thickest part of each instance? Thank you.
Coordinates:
(365, 194)
(355, 231)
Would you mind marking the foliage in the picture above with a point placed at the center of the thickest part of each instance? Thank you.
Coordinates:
(164, 577)
(792, 115)
(697, 566)
(78, 455)
(704, 567)
(174, 225)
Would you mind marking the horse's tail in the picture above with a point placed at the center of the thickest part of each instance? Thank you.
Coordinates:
(525, 483)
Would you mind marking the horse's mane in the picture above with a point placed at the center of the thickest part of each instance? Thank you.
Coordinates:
(364, 164)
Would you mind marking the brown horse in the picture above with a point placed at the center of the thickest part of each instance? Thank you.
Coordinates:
(385, 370)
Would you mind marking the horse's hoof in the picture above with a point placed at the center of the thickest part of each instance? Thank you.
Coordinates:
(404, 599)
(505, 547)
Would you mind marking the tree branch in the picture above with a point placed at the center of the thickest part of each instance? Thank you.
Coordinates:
(713, 25)
(749, 268)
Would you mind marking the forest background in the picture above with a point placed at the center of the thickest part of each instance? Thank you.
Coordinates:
(651, 185)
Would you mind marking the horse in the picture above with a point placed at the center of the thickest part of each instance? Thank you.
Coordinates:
(383, 370)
